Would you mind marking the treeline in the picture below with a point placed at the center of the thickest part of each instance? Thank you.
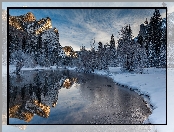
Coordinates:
(148, 49)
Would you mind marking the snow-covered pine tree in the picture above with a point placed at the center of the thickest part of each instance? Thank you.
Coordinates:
(84, 61)
(139, 57)
(106, 56)
(155, 38)
(148, 44)
(112, 42)
(100, 56)
(125, 51)
(112, 53)
(93, 59)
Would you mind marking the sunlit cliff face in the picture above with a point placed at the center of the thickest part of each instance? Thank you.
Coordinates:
(33, 26)
(17, 21)
(69, 51)
(29, 17)
(26, 31)
(44, 25)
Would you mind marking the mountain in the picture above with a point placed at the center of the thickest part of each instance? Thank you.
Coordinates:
(28, 23)
(37, 40)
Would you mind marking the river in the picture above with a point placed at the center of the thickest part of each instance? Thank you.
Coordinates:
(68, 97)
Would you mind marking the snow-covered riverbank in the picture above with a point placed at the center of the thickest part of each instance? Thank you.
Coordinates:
(12, 68)
(152, 83)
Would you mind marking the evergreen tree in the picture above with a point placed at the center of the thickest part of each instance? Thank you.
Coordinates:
(112, 52)
(101, 57)
(140, 40)
(139, 57)
(125, 51)
(112, 42)
(155, 38)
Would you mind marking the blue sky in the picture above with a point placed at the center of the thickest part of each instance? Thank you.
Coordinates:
(79, 26)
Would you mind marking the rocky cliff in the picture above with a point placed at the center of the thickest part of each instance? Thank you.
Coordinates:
(28, 23)
(34, 37)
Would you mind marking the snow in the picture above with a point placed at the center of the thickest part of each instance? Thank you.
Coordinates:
(12, 68)
(170, 107)
(151, 83)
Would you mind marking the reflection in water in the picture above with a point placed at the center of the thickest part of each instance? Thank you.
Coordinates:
(69, 82)
(36, 96)
(83, 99)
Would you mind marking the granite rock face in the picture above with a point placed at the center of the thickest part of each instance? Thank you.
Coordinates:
(33, 37)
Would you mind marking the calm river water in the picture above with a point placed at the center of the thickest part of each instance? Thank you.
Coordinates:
(68, 97)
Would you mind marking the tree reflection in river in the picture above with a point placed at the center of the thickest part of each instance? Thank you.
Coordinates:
(95, 100)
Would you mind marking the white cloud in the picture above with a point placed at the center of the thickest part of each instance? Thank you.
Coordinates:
(85, 26)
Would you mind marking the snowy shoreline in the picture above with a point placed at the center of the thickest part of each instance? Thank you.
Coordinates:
(151, 85)
(145, 97)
